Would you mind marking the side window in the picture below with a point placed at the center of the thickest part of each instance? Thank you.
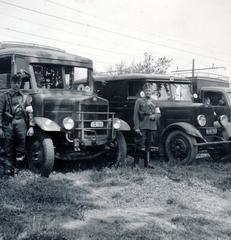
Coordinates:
(116, 90)
(215, 98)
(5, 72)
(134, 89)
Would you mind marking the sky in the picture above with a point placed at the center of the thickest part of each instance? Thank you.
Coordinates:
(111, 31)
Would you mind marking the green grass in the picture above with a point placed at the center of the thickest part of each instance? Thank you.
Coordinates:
(33, 205)
(182, 202)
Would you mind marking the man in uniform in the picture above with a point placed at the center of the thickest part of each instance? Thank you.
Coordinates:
(16, 119)
(146, 116)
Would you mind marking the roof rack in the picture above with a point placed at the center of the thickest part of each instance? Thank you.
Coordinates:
(10, 44)
(207, 75)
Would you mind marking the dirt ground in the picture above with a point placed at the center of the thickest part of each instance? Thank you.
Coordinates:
(180, 202)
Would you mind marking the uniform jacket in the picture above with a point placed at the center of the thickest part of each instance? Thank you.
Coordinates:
(15, 103)
(144, 108)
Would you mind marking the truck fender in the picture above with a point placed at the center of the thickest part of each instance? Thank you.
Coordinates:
(185, 127)
(123, 125)
(46, 124)
(226, 131)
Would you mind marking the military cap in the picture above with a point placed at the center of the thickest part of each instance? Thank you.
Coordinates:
(20, 75)
(17, 77)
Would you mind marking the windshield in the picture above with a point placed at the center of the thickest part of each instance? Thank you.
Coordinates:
(181, 92)
(51, 76)
(162, 91)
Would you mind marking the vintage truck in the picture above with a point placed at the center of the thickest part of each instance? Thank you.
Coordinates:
(185, 127)
(214, 89)
(71, 121)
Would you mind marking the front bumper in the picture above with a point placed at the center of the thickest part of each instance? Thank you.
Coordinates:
(88, 140)
(212, 143)
(213, 136)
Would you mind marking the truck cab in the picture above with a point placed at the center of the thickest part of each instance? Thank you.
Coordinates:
(219, 98)
(213, 90)
(72, 123)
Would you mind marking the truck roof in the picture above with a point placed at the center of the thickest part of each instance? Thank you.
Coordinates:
(40, 51)
(219, 79)
(225, 89)
(142, 76)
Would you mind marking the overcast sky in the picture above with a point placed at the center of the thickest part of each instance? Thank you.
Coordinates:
(108, 31)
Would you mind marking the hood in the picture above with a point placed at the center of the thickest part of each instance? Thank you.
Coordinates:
(58, 97)
(59, 104)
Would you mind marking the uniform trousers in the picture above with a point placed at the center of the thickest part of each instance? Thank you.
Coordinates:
(143, 143)
(15, 138)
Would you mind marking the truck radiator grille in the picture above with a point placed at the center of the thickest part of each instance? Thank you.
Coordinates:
(93, 120)
(209, 114)
(94, 109)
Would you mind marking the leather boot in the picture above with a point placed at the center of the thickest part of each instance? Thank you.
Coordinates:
(8, 168)
(136, 158)
(146, 158)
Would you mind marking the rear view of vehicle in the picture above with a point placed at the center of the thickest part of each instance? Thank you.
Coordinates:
(72, 123)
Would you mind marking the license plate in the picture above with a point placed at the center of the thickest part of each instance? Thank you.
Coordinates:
(97, 124)
(210, 131)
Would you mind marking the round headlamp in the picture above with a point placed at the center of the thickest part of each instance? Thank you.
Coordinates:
(116, 123)
(201, 119)
(223, 119)
(68, 123)
(87, 89)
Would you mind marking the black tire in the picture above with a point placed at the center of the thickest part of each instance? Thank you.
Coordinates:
(222, 155)
(118, 152)
(214, 155)
(41, 154)
(180, 148)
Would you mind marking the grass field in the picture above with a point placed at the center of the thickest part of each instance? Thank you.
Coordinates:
(186, 202)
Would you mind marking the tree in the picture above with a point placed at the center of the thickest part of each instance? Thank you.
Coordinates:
(147, 65)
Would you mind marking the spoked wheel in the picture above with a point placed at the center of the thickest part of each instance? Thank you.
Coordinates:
(41, 154)
(118, 151)
(180, 148)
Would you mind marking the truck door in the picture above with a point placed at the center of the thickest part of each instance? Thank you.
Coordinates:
(5, 72)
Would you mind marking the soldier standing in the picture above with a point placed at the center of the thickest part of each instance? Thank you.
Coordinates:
(16, 119)
(146, 116)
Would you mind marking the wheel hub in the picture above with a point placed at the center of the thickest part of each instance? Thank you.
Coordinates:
(179, 148)
(36, 157)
